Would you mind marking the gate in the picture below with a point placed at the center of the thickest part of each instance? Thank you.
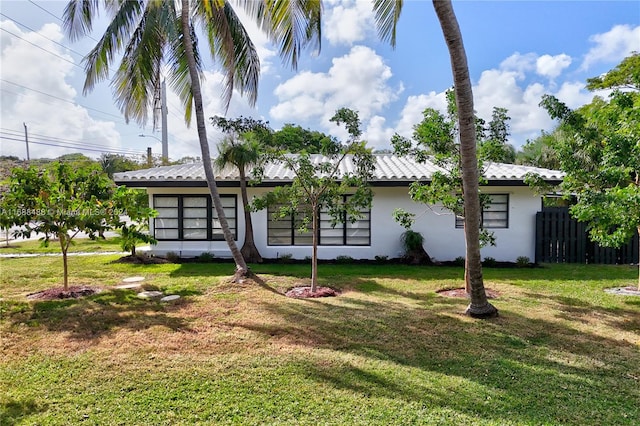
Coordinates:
(562, 239)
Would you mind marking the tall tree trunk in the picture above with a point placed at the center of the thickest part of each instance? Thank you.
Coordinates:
(249, 250)
(638, 258)
(479, 306)
(314, 254)
(241, 265)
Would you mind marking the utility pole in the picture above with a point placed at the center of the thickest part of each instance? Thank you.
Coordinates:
(26, 141)
(149, 157)
(164, 111)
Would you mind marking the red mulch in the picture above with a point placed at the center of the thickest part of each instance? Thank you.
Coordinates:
(57, 293)
(305, 292)
(462, 293)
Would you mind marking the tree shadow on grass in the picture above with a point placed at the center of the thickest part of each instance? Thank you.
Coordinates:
(95, 316)
(13, 411)
(514, 369)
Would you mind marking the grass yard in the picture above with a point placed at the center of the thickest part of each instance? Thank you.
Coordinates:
(77, 245)
(387, 351)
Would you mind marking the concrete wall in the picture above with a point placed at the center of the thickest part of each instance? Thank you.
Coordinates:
(442, 240)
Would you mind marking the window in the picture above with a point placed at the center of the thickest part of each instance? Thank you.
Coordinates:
(285, 231)
(495, 214)
(192, 217)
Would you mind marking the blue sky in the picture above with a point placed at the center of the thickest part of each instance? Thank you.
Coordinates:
(517, 51)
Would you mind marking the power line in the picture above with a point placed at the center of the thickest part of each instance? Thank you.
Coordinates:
(55, 16)
(79, 148)
(43, 36)
(51, 139)
(61, 99)
(41, 48)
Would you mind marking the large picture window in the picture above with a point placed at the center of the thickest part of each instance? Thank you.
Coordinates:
(495, 214)
(286, 231)
(192, 217)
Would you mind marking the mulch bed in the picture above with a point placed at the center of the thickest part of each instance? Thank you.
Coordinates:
(462, 293)
(141, 259)
(305, 292)
(73, 292)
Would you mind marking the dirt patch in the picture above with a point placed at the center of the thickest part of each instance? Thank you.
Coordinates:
(141, 259)
(305, 292)
(57, 293)
(462, 293)
(623, 291)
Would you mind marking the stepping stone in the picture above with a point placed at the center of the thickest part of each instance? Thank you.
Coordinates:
(149, 294)
(133, 279)
(127, 286)
(170, 298)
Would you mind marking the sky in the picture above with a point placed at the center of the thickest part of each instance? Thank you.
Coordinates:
(517, 51)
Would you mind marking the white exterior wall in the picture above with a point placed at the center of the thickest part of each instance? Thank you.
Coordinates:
(442, 240)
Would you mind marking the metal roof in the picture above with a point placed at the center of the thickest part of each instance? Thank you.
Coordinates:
(389, 168)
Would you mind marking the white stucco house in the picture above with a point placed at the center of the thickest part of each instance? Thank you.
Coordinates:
(186, 223)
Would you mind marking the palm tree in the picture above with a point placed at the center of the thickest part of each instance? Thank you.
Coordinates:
(387, 15)
(242, 152)
(157, 36)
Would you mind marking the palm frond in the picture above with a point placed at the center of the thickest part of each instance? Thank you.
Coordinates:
(293, 25)
(138, 79)
(77, 18)
(229, 43)
(387, 16)
(117, 34)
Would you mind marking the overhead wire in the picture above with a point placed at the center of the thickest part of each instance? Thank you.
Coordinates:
(55, 16)
(41, 48)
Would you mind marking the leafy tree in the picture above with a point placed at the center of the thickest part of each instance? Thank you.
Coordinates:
(297, 139)
(435, 138)
(540, 152)
(600, 154)
(243, 148)
(61, 202)
(387, 14)
(135, 204)
(320, 184)
(149, 37)
(115, 163)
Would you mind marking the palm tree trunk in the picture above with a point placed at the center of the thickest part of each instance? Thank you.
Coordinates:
(638, 258)
(241, 266)
(249, 250)
(479, 306)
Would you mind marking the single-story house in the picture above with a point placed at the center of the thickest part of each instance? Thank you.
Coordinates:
(186, 223)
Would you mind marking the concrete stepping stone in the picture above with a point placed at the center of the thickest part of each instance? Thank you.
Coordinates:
(149, 294)
(170, 298)
(132, 279)
(128, 286)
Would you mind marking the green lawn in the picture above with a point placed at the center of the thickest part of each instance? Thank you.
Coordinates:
(388, 350)
(77, 245)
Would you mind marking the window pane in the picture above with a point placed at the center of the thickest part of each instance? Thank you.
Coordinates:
(166, 234)
(165, 202)
(332, 241)
(303, 241)
(195, 234)
(194, 202)
(167, 212)
(192, 212)
(194, 223)
(228, 202)
(165, 223)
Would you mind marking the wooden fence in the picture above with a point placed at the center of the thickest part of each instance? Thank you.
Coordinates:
(562, 239)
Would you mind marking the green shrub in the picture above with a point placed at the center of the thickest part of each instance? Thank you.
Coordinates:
(205, 257)
(412, 241)
(285, 258)
(344, 259)
(523, 261)
(381, 259)
(489, 261)
(172, 257)
(459, 261)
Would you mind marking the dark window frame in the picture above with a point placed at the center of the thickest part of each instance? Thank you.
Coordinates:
(211, 236)
(295, 233)
(459, 221)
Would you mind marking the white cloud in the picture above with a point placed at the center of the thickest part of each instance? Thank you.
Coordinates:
(613, 45)
(29, 73)
(552, 66)
(520, 63)
(348, 21)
